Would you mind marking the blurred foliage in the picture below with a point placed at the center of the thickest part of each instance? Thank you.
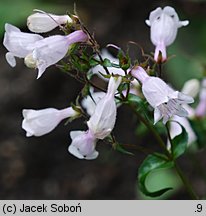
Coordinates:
(188, 53)
(16, 12)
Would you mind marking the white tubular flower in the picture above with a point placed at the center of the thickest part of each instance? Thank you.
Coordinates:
(90, 103)
(164, 24)
(83, 145)
(40, 122)
(43, 22)
(16, 43)
(50, 50)
(191, 88)
(201, 107)
(165, 101)
(102, 121)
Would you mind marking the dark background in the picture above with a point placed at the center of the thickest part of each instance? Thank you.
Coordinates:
(42, 168)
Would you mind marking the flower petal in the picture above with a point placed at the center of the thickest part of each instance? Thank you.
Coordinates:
(183, 98)
(11, 59)
(74, 151)
(157, 115)
(74, 134)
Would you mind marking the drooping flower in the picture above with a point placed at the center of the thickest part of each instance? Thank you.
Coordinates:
(164, 24)
(16, 43)
(43, 22)
(201, 107)
(165, 101)
(83, 145)
(40, 122)
(50, 50)
(191, 88)
(102, 121)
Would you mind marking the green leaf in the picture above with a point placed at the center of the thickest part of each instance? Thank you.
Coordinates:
(107, 63)
(137, 101)
(86, 90)
(152, 163)
(179, 143)
(93, 62)
(124, 60)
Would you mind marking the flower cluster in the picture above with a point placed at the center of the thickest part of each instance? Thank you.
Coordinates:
(123, 78)
(126, 82)
(39, 52)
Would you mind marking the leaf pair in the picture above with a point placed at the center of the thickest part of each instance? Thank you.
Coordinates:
(160, 161)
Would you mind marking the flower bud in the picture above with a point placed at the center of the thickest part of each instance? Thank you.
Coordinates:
(30, 62)
(43, 22)
(191, 87)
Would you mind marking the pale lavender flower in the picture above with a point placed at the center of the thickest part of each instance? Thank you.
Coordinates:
(83, 145)
(191, 88)
(50, 50)
(45, 22)
(165, 101)
(102, 121)
(16, 42)
(40, 122)
(201, 107)
(164, 24)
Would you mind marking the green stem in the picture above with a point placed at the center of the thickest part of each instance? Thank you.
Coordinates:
(153, 131)
(179, 171)
(169, 155)
(170, 138)
(185, 181)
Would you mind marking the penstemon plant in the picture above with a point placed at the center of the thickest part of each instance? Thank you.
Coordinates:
(138, 85)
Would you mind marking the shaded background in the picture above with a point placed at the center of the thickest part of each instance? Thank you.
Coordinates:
(42, 168)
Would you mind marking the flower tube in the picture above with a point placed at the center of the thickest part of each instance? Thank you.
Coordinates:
(102, 121)
(40, 122)
(50, 50)
(165, 101)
